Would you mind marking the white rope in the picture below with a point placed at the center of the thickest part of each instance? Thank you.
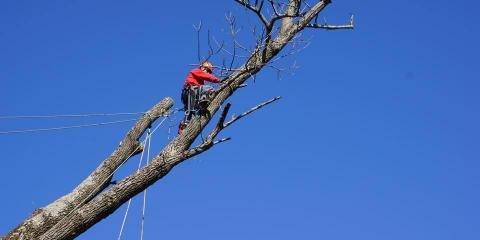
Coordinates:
(145, 192)
(65, 127)
(107, 178)
(145, 142)
(73, 126)
(69, 115)
(130, 200)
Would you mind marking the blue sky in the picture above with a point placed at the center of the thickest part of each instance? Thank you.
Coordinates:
(376, 136)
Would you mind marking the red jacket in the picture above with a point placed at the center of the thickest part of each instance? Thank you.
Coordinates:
(197, 77)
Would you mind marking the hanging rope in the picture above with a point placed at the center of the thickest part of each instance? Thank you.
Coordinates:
(73, 126)
(70, 115)
(146, 143)
(114, 171)
(110, 175)
(65, 127)
(145, 192)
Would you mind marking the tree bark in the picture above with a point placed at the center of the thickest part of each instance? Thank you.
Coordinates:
(76, 212)
(173, 154)
(44, 218)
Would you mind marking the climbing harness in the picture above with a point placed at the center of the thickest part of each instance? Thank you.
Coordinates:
(195, 100)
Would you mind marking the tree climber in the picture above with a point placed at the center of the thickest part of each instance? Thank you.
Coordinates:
(195, 94)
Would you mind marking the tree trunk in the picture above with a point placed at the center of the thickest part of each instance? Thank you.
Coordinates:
(44, 218)
(73, 214)
(107, 202)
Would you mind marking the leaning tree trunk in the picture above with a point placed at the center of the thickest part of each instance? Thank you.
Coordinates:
(73, 214)
(44, 218)
(177, 150)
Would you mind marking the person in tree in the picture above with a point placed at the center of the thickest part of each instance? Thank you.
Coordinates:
(195, 93)
(198, 76)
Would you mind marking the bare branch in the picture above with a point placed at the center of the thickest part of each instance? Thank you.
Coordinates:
(291, 12)
(261, 105)
(256, 10)
(210, 52)
(326, 26)
(210, 140)
(275, 11)
(222, 140)
(203, 147)
(231, 20)
(222, 48)
(295, 49)
(94, 183)
(220, 125)
(269, 44)
(198, 29)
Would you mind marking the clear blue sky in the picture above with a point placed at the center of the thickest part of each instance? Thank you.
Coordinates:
(376, 137)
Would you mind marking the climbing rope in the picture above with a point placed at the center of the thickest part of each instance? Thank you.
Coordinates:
(145, 193)
(65, 127)
(147, 146)
(70, 115)
(111, 174)
(72, 126)
(116, 169)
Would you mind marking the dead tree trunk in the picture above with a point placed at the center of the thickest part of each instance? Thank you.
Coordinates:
(44, 218)
(73, 214)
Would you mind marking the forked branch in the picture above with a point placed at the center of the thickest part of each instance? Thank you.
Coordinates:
(272, 41)
(257, 9)
(210, 140)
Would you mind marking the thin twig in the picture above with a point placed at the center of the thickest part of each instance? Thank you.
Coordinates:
(210, 140)
(198, 29)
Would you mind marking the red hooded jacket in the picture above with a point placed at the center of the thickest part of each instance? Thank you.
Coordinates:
(197, 77)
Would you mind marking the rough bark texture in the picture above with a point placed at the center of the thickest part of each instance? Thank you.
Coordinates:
(173, 154)
(44, 218)
(292, 10)
(71, 215)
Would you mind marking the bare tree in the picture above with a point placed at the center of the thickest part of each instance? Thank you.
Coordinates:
(93, 199)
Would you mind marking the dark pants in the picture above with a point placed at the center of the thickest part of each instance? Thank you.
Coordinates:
(191, 96)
